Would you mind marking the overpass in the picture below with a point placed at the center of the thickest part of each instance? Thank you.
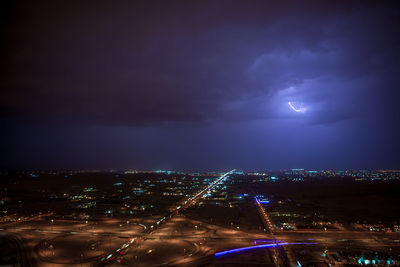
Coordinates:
(279, 254)
(149, 231)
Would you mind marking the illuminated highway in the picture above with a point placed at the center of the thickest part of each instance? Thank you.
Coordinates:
(198, 236)
(118, 254)
(167, 244)
(27, 219)
(264, 216)
(279, 255)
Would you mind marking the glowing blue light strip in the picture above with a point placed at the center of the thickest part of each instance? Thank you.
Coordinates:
(218, 254)
(261, 201)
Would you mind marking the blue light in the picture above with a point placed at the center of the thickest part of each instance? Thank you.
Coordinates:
(261, 201)
(218, 254)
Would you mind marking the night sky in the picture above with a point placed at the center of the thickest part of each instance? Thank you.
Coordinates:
(200, 85)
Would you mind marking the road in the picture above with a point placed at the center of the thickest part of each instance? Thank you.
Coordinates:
(181, 233)
(279, 255)
(116, 255)
(15, 242)
(27, 219)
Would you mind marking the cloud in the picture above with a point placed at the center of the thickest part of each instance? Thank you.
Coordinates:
(194, 64)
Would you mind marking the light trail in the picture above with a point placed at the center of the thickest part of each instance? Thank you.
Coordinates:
(218, 254)
(268, 225)
(207, 189)
(264, 215)
(189, 202)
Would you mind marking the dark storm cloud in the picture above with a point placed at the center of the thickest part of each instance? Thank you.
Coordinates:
(139, 63)
(98, 84)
